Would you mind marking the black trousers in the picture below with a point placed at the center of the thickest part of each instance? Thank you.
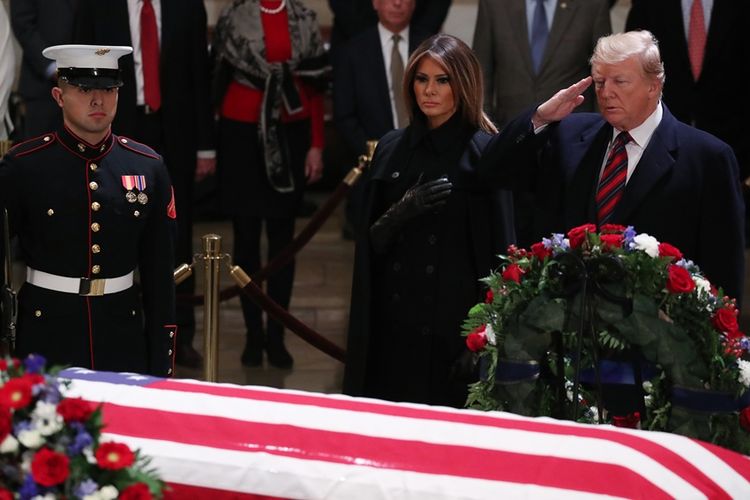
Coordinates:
(247, 254)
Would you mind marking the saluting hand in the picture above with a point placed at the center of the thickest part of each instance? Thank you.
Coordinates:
(561, 104)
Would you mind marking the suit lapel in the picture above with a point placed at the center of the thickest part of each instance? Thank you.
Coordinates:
(582, 173)
(381, 78)
(718, 32)
(564, 14)
(517, 16)
(657, 161)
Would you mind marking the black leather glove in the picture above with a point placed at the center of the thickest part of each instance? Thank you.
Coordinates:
(419, 199)
(465, 369)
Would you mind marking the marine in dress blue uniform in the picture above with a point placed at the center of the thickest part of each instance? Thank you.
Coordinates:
(93, 220)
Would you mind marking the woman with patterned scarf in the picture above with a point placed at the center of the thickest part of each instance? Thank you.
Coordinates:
(269, 61)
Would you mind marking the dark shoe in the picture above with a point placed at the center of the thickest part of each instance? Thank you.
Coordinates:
(347, 232)
(252, 355)
(306, 208)
(188, 357)
(278, 356)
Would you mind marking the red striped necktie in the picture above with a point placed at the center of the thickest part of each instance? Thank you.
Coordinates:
(150, 57)
(696, 38)
(612, 181)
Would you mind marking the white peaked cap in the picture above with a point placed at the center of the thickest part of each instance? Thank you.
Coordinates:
(86, 56)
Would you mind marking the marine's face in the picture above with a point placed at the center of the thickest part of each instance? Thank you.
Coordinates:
(433, 91)
(626, 96)
(395, 15)
(87, 112)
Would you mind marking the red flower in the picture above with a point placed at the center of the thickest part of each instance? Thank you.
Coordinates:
(611, 241)
(75, 410)
(513, 273)
(137, 491)
(540, 251)
(3, 365)
(6, 423)
(577, 235)
(5, 494)
(679, 280)
(612, 229)
(745, 418)
(49, 468)
(16, 393)
(477, 339)
(725, 320)
(489, 298)
(114, 456)
(628, 421)
(667, 250)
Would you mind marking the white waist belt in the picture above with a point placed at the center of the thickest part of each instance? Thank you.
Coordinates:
(79, 286)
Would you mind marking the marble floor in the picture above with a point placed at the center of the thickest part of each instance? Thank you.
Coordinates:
(320, 299)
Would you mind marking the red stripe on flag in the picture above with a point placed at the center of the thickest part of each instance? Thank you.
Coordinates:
(384, 453)
(740, 463)
(178, 491)
(657, 452)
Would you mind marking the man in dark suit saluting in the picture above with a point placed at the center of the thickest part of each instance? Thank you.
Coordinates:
(165, 104)
(678, 184)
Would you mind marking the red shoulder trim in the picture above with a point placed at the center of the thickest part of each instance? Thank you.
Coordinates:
(136, 147)
(31, 145)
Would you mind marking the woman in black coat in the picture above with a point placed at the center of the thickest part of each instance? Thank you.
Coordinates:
(433, 233)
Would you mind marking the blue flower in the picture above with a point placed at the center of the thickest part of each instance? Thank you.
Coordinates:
(34, 363)
(87, 487)
(82, 440)
(29, 488)
(627, 238)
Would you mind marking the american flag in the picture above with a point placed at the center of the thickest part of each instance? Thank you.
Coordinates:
(223, 441)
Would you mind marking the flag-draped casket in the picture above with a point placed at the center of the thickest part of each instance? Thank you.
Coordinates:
(227, 441)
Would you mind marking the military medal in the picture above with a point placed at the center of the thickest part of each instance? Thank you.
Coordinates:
(131, 183)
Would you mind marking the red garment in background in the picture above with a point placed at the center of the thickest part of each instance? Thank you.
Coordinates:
(243, 103)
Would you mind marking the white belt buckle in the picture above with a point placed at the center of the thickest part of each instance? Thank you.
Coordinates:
(91, 288)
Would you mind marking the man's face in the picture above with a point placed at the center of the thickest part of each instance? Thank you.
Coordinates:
(626, 96)
(395, 15)
(87, 112)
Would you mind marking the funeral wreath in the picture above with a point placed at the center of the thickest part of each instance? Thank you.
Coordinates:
(590, 307)
(50, 445)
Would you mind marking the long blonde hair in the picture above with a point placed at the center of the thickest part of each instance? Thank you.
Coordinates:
(465, 74)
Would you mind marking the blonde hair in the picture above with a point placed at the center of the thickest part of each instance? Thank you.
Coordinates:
(464, 72)
(620, 46)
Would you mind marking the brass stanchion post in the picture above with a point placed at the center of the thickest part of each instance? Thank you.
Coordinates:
(212, 257)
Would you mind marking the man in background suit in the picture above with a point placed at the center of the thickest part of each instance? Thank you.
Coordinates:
(710, 101)
(364, 95)
(181, 127)
(678, 184)
(503, 42)
(38, 24)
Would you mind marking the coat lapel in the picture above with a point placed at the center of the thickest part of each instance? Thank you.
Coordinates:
(381, 79)
(517, 15)
(564, 14)
(657, 161)
(582, 173)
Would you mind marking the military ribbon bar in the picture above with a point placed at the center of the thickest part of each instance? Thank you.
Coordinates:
(131, 182)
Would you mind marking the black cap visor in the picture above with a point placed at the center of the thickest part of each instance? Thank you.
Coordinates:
(91, 78)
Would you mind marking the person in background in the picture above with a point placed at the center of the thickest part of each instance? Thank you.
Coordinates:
(270, 142)
(165, 104)
(38, 24)
(7, 73)
(433, 231)
(528, 50)
(90, 209)
(367, 100)
(633, 163)
(700, 42)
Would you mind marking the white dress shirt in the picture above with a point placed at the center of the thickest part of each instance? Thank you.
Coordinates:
(386, 45)
(134, 15)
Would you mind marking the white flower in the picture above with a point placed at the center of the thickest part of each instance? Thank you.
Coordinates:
(48, 496)
(31, 438)
(9, 444)
(108, 492)
(490, 333)
(46, 419)
(744, 367)
(647, 243)
(702, 285)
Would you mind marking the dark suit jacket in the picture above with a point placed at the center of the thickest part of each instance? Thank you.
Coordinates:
(38, 24)
(361, 100)
(184, 72)
(714, 103)
(501, 42)
(685, 189)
